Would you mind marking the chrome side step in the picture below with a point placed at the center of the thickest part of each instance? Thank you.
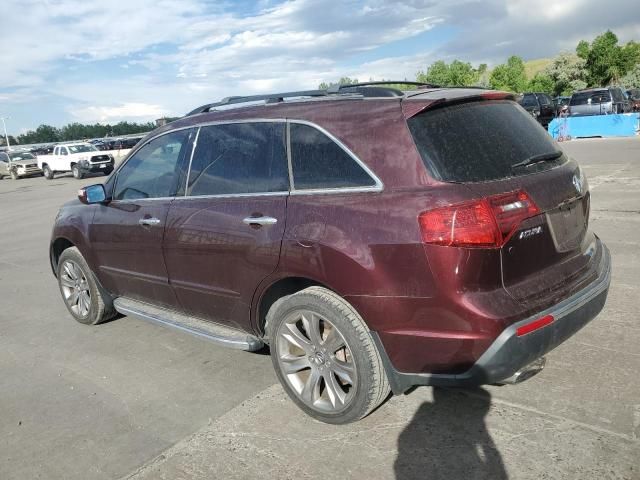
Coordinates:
(222, 335)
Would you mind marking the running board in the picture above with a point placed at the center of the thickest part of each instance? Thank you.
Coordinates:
(225, 336)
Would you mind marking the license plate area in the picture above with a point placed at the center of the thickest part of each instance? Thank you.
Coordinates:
(568, 225)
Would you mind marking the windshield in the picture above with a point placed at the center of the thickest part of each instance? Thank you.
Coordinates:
(21, 156)
(480, 141)
(81, 148)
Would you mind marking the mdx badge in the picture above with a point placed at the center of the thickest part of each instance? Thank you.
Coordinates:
(530, 232)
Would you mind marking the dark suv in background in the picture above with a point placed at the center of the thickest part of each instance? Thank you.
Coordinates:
(539, 105)
(374, 239)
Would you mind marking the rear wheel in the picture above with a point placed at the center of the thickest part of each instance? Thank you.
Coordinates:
(47, 172)
(324, 356)
(77, 173)
(87, 302)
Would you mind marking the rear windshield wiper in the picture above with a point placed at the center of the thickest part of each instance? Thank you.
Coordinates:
(543, 157)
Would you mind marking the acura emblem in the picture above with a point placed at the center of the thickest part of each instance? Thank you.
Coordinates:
(577, 183)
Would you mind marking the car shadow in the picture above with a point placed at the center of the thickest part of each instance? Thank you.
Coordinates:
(448, 439)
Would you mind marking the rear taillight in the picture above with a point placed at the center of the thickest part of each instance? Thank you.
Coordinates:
(487, 222)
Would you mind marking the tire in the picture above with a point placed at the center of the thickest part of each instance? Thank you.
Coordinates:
(336, 375)
(47, 172)
(77, 173)
(14, 175)
(93, 304)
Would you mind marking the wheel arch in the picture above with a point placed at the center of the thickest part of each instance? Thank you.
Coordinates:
(276, 289)
(58, 246)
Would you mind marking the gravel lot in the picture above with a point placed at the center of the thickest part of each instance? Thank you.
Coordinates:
(132, 399)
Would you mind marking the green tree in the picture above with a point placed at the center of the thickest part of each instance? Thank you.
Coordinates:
(632, 78)
(567, 72)
(342, 81)
(541, 82)
(509, 76)
(456, 74)
(606, 61)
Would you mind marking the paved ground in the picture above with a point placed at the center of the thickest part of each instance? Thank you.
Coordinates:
(128, 399)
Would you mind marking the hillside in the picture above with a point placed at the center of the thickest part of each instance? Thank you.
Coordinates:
(534, 66)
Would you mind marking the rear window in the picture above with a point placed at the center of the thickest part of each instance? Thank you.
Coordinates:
(544, 99)
(582, 98)
(480, 141)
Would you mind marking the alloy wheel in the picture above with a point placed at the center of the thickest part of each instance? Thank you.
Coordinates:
(316, 361)
(75, 288)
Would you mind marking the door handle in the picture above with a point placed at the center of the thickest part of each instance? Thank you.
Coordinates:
(260, 221)
(148, 222)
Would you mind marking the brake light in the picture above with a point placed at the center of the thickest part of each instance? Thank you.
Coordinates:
(535, 325)
(487, 222)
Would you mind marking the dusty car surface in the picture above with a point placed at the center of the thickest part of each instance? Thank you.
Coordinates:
(18, 164)
(374, 239)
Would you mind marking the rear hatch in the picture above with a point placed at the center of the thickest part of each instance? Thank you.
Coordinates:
(539, 198)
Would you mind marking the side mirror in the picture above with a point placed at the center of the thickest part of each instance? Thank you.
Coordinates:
(92, 194)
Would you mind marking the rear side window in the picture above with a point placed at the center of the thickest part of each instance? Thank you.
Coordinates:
(239, 158)
(318, 162)
(480, 141)
(617, 95)
(582, 98)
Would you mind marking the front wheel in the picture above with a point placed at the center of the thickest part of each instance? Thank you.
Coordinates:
(77, 173)
(14, 175)
(324, 356)
(87, 302)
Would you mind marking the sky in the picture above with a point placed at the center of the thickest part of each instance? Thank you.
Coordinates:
(65, 61)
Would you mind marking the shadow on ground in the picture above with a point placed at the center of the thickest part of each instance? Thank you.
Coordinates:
(448, 439)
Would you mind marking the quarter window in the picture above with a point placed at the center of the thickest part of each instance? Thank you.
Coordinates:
(239, 158)
(154, 170)
(318, 162)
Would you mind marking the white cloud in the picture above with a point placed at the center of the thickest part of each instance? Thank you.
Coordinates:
(187, 52)
(125, 111)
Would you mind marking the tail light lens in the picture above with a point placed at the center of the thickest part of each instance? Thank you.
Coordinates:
(487, 222)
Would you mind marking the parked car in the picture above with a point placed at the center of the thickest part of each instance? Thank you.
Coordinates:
(634, 98)
(539, 105)
(78, 158)
(18, 164)
(599, 101)
(431, 237)
(124, 143)
(559, 103)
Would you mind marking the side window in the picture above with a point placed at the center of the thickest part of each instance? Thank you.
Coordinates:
(56, 150)
(319, 162)
(239, 158)
(154, 170)
(63, 151)
(529, 101)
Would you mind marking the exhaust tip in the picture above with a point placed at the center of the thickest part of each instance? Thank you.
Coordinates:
(525, 373)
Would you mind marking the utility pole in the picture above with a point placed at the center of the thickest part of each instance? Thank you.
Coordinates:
(6, 137)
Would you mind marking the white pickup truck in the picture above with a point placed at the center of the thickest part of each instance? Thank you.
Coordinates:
(78, 158)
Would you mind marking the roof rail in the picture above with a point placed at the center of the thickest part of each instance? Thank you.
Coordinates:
(367, 89)
(337, 88)
(270, 98)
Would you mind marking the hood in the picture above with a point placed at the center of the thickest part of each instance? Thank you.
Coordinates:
(28, 161)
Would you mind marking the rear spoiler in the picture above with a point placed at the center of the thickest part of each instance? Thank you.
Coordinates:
(414, 105)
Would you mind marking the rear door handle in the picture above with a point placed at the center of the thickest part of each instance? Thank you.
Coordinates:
(148, 222)
(260, 221)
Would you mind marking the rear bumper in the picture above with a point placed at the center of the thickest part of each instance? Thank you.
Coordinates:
(510, 352)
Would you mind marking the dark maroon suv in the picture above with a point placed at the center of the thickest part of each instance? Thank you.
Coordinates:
(374, 239)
